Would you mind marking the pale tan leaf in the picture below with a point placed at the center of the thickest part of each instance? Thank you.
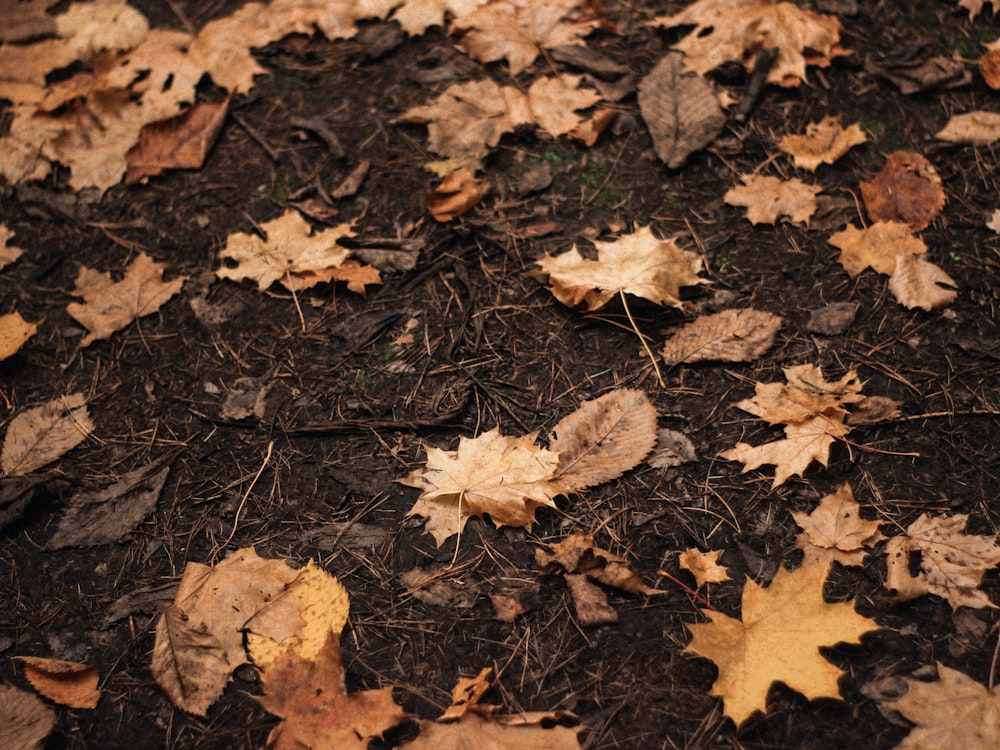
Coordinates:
(604, 438)
(908, 189)
(109, 306)
(39, 436)
(8, 253)
(14, 332)
(952, 563)
(590, 602)
(777, 639)
(953, 712)
(994, 222)
(553, 101)
(975, 6)
(577, 554)
(977, 128)
(916, 282)
(638, 264)
(103, 25)
(823, 143)
(68, 683)
(673, 448)
(740, 335)
(769, 198)
(416, 16)
(835, 531)
(704, 566)
(25, 721)
(876, 246)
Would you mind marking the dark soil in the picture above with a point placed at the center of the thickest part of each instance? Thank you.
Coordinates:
(350, 410)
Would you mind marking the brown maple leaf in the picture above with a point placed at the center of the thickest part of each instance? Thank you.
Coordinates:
(823, 143)
(835, 531)
(908, 189)
(952, 563)
(777, 639)
(769, 198)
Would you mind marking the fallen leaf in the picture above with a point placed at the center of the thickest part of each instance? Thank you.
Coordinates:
(835, 531)
(512, 597)
(994, 222)
(977, 128)
(955, 711)
(603, 439)
(916, 282)
(26, 19)
(247, 397)
(876, 246)
(14, 332)
(507, 477)
(975, 6)
(638, 264)
(25, 721)
(908, 189)
(457, 193)
(740, 335)
(680, 109)
(823, 143)
(433, 585)
(108, 515)
(588, 131)
(109, 306)
(316, 711)
(934, 74)
(989, 64)
(704, 566)
(589, 601)
(833, 319)
(874, 410)
(67, 683)
(577, 554)
(951, 566)
(673, 448)
(737, 29)
(199, 638)
(8, 253)
(39, 436)
(769, 198)
(416, 16)
(777, 639)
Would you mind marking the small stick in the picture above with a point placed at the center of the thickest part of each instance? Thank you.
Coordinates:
(649, 352)
(690, 590)
(246, 495)
(754, 87)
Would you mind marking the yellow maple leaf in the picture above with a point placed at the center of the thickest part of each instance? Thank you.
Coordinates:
(876, 246)
(777, 639)
(823, 143)
(638, 264)
(835, 530)
(769, 198)
(704, 566)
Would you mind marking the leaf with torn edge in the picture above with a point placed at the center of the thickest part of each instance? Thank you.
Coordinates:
(508, 478)
(39, 436)
(704, 566)
(777, 639)
(952, 563)
(835, 531)
(67, 683)
(823, 143)
(108, 515)
(637, 264)
(907, 189)
(769, 198)
(109, 306)
(740, 335)
(25, 720)
(14, 332)
(680, 109)
(603, 439)
(932, 74)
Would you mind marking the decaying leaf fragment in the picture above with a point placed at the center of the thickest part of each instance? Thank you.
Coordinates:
(39, 436)
(14, 332)
(8, 253)
(977, 128)
(740, 335)
(109, 306)
(416, 16)
(954, 711)
(907, 189)
(68, 683)
(769, 198)
(704, 566)
(637, 264)
(777, 639)
(458, 192)
(835, 531)
(952, 563)
(25, 720)
(823, 143)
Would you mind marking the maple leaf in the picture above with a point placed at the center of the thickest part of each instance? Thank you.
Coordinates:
(823, 143)
(25, 720)
(68, 683)
(39, 436)
(777, 639)
(977, 128)
(704, 566)
(14, 332)
(416, 16)
(955, 711)
(516, 30)
(768, 198)
(907, 189)
(737, 29)
(311, 699)
(835, 531)
(952, 563)
(637, 264)
(507, 477)
(739, 335)
(876, 246)
(109, 306)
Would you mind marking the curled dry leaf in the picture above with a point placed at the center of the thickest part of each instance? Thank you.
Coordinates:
(577, 553)
(25, 721)
(740, 335)
(14, 332)
(769, 198)
(604, 438)
(457, 193)
(835, 531)
(823, 143)
(704, 566)
(68, 683)
(908, 189)
(441, 586)
(39, 436)
(977, 128)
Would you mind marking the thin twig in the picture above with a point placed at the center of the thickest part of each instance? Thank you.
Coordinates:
(246, 495)
(642, 339)
(295, 299)
(690, 590)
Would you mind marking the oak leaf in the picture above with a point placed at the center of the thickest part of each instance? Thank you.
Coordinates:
(109, 305)
(907, 189)
(310, 697)
(769, 198)
(603, 439)
(977, 128)
(507, 477)
(8, 253)
(835, 531)
(740, 335)
(39, 436)
(955, 711)
(952, 563)
(777, 639)
(68, 683)
(637, 264)
(823, 143)
(704, 566)
(14, 332)
(737, 29)
(25, 720)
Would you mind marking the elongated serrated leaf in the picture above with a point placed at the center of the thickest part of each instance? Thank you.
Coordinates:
(39, 436)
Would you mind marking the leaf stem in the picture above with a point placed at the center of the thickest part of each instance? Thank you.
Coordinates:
(690, 590)
(642, 339)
